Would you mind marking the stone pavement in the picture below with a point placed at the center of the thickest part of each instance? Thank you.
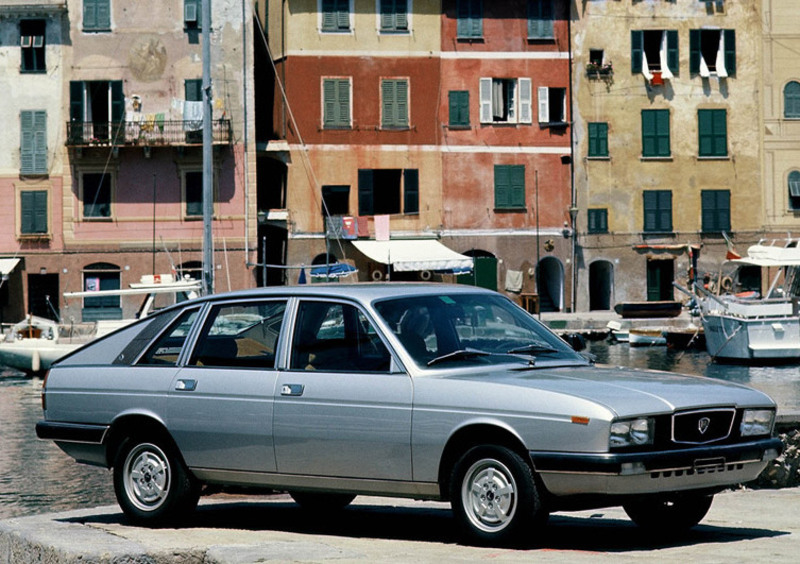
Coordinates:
(742, 526)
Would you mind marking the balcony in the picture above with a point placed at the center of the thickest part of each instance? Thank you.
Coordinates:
(155, 133)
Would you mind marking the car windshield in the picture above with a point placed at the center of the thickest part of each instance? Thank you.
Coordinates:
(457, 328)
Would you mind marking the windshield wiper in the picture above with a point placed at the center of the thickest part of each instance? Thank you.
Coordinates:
(458, 355)
(533, 348)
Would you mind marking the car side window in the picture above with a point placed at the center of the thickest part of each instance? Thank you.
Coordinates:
(336, 337)
(240, 335)
(167, 348)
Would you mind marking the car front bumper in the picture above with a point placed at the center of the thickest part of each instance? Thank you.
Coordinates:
(653, 472)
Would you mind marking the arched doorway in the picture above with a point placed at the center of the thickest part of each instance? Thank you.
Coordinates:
(484, 271)
(550, 284)
(601, 284)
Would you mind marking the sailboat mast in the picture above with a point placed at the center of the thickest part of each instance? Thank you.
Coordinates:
(208, 175)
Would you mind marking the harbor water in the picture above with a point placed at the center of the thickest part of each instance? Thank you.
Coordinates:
(36, 477)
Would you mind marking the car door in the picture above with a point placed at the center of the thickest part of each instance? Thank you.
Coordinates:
(220, 403)
(339, 408)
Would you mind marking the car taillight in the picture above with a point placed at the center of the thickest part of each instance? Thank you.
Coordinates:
(44, 391)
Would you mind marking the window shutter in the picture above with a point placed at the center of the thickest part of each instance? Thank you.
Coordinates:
(343, 15)
(40, 211)
(89, 14)
(387, 14)
(720, 132)
(103, 14)
(544, 104)
(730, 51)
(27, 215)
(637, 49)
(476, 18)
(704, 127)
(401, 15)
(664, 210)
(502, 187)
(343, 87)
(193, 90)
(794, 184)
(387, 101)
(540, 19)
(486, 100)
(328, 15)
(458, 102)
(27, 144)
(39, 142)
(117, 102)
(411, 190)
(694, 51)
(517, 189)
(401, 102)
(525, 101)
(648, 135)
(673, 59)
(328, 103)
(662, 133)
(365, 192)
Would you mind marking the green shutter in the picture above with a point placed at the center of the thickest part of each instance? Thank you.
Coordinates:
(637, 50)
(730, 51)
(694, 51)
(459, 108)
(394, 94)
(469, 16)
(540, 19)
(193, 90)
(655, 133)
(336, 103)
(716, 206)
(33, 142)
(329, 103)
(343, 15)
(411, 190)
(96, 14)
(33, 212)
(598, 139)
(509, 186)
(712, 129)
(365, 192)
(673, 55)
(518, 186)
(657, 210)
(335, 15)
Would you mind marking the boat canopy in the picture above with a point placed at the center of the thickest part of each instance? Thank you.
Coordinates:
(769, 255)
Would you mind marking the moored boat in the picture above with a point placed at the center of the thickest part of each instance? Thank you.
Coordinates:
(639, 310)
(646, 337)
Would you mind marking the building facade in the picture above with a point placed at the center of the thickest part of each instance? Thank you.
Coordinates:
(444, 121)
(667, 142)
(107, 170)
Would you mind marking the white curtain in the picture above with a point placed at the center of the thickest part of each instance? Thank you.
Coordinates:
(722, 72)
(646, 67)
(662, 52)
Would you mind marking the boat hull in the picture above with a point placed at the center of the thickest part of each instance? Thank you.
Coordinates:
(646, 337)
(641, 310)
(33, 357)
(773, 339)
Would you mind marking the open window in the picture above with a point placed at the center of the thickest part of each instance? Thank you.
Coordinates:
(654, 53)
(552, 105)
(505, 100)
(712, 51)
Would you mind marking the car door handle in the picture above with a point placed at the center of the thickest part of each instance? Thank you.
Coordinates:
(186, 385)
(292, 390)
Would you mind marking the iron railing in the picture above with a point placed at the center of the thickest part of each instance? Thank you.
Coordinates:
(145, 133)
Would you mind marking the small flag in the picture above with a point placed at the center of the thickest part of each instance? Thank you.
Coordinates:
(731, 254)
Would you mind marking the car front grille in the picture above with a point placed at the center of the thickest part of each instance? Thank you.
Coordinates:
(702, 426)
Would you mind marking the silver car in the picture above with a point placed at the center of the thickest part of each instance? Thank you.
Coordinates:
(412, 390)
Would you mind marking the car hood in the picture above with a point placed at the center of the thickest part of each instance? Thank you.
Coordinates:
(628, 391)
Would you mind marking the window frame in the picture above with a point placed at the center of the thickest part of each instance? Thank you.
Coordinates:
(653, 138)
(331, 19)
(37, 213)
(337, 113)
(32, 46)
(407, 196)
(193, 9)
(521, 104)
(714, 137)
(541, 20)
(546, 96)
(33, 153)
(96, 16)
(458, 109)
(794, 96)
(793, 185)
(597, 134)
(393, 21)
(715, 208)
(395, 103)
(514, 185)
(112, 175)
(469, 20)
(669, 51)
(728, 52)
(597, 221)
(657, 211)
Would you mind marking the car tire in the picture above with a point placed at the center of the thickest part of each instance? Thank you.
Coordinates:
(321, 502)
(494, 496)
(668, 515)
(151, 483)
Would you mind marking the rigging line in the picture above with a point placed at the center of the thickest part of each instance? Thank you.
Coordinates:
(306, 159)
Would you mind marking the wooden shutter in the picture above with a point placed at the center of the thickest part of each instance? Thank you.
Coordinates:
(33, 212)
(637, 49)
(694, 51)
(411, 190)
(343, 15)
(540, 19)
(517, 178)
(486, 100)
(673, 55)
(365, 192)
(730, 51)
(544, 104)
(657, 210)
(193, 90)
(33, 142)
(502, 187)
(27, 143)
(394, 94)
(458, 105)
(89, 14)
(525, 101)
(598, 139)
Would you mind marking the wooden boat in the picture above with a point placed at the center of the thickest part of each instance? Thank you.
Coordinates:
(638, 310)
(682, 338)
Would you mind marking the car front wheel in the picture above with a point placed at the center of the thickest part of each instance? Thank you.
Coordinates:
(152, 484)
(668, 515)
(494, 495)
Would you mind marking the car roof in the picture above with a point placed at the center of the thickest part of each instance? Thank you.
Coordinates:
(363, 292)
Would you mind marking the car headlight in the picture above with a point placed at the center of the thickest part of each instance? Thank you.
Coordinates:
(757, 422)
(631, 432)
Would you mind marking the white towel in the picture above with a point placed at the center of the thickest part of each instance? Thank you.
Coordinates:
(192, 116)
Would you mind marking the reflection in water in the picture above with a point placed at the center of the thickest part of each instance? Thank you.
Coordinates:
(36, 477)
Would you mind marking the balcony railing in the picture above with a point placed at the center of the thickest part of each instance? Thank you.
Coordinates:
(145, 133)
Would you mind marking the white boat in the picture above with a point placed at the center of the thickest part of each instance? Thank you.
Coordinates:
(741, 323)
(646, 337)
(34, 343)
